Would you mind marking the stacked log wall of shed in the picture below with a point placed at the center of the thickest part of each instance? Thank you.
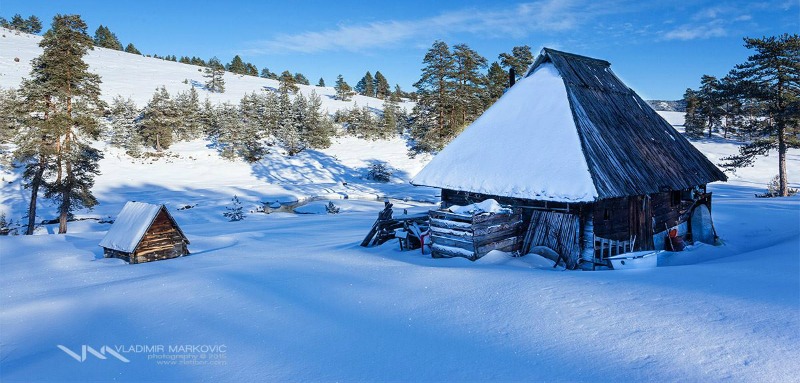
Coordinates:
(472, 236)
(111, 253)
(162, 240)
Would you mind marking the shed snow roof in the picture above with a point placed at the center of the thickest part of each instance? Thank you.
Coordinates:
(131, 225)
(569, 131)
(524, 146)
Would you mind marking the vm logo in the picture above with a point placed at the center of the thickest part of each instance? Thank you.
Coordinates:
(105, 350)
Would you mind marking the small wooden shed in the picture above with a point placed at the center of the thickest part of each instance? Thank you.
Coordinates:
(144, 232)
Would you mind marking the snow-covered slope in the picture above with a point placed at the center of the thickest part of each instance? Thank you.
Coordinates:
(137, 77)
(289, 297)
(336, 172)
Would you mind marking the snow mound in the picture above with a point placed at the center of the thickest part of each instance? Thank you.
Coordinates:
(487, 206)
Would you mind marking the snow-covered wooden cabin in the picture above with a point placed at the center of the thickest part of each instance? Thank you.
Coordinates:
(595, 169)
(144, 232)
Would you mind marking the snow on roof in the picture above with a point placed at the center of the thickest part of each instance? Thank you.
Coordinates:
(130, 226)
(526, 145)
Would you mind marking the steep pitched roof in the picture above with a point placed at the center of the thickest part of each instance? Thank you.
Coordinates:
(569, 131)
(132, 224)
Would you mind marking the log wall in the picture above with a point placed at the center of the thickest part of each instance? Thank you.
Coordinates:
(161, 241)
(472, 236)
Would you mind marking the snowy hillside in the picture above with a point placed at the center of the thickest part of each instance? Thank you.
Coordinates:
(137, 77)
(292, 297)
(336, 172)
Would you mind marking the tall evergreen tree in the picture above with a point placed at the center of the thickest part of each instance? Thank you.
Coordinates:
(18, 23)
(104, 38)
(68, 106)
(189, 123)
(266, 73)
(251, 70)
(319, 128)
(299, 78)
(130, 48)
(710, 107)
(321, 82)
(382, 89)
(694, 122)
(770, 79)
(432, 126)
(123, 132)
(158, 121)
(288, 82)
(519, 59)
(365, 86)
(215, 72)
(496, 83)
(469, 89)
(236, 66)
(343, 90)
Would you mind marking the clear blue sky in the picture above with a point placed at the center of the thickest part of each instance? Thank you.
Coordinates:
(658, 47)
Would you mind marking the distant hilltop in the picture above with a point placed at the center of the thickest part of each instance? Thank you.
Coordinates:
(668, 106)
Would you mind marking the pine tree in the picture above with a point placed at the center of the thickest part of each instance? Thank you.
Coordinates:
(382, 89)
(215, 72)
(18, 23)
(496, 83)
(265, 73)
(188, 125)
(710, 106)
(389, 122)
(343, 90)
(123, 129)
(132, 49)
(33, 25)
(469, 90)
(158, 120)
(432, 126)
(234, 212)
(68, 109)
(300, 79)
(519, 59)
(236, 66)
(770, 80)
(104, 38)
(694, 123)
(288, 82)
(365, 86)
(286, 128)
(319, 128)
(251, 70)
(321, 82)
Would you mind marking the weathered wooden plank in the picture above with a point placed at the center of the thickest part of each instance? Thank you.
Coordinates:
(440, 251)
(503, 245)
(453, 242)
(436, 222)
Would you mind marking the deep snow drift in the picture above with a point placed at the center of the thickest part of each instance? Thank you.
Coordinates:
(285, 296)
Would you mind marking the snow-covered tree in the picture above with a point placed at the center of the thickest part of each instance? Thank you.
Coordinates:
(215, 72)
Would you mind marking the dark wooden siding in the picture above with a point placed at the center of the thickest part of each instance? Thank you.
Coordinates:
(162, 240)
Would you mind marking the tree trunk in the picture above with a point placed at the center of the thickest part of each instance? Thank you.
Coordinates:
(35, 183)
(66, 189)
(783, 182)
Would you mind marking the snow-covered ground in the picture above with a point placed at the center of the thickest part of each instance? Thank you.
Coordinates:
(285, 296)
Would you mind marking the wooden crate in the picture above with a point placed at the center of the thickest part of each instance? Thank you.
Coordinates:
(472, 236)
